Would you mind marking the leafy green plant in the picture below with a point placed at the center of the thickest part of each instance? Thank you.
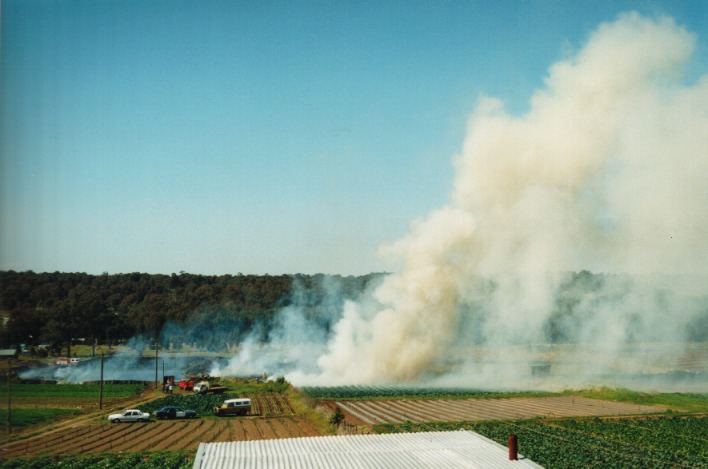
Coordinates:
(337, 418)
(618, 443)
(159, 460)
(203, 404)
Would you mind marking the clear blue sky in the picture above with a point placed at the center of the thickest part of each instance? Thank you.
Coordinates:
(255, 136)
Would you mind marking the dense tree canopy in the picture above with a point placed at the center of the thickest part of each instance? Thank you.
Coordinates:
(219, 312)
(55, 308)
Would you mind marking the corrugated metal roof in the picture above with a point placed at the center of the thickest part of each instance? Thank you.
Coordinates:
(458, 449)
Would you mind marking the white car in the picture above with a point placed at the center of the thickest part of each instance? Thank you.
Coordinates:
(130, 415)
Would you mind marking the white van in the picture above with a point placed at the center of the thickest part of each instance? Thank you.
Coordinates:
(240, 406)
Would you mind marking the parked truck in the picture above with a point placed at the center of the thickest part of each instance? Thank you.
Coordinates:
(204, 387)
(239, 406)
(186, 384)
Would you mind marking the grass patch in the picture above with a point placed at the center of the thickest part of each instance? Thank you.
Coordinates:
(249, 386)
(26, 417)
(683, 401)
(307, 407)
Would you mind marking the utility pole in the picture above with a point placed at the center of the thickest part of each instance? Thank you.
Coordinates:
(9, 399)
(100, 386)
(157, 345)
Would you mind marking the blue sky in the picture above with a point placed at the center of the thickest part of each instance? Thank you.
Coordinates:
(256, 136)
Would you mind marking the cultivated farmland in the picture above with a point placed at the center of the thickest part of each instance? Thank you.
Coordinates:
(84, 396)
(272, 416)
(457, 410)
(671, 442)
(600, 430)
(155, 436)
(264, 404)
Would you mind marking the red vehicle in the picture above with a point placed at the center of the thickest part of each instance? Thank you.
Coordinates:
(63, 361)
(186, 385)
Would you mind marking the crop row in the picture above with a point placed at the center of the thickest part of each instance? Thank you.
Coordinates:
(586, 443)
(677, 434)
(186, 435)
(166, 460)
(71, 390)
(265, 404)
(372, 392)
(202, 404)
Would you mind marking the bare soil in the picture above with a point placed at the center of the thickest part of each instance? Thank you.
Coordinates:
(91, 433)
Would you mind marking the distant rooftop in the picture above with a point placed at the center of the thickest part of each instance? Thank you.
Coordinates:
(456, 449)
(8, 352)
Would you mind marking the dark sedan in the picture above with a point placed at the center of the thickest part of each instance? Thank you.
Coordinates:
(172, 412)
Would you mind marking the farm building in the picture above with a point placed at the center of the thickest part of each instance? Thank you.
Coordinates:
(457, 449)
(8, 354)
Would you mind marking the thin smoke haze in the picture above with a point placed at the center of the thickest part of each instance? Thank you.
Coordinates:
(606, 173)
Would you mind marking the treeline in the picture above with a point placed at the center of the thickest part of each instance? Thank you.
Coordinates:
(219, 312)
(57, 308)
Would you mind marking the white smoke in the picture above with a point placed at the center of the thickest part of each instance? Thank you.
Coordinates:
(129, 363)
(606, 172)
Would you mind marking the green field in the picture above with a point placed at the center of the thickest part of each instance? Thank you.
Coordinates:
(570, 443)
(684, 401)
(406, 392)
(38, 403)
(25, 417)
(71, 390)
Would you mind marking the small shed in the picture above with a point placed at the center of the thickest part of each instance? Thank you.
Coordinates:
(458, 449)
(8, 354)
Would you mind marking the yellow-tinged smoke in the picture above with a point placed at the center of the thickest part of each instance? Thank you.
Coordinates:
(606, 172)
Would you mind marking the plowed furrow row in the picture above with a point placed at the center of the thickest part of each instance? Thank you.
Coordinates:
(398, 411)
(192, 440)
(252, 432)
(292, 427)
(236, 431)
(182, 434)
(128, 443)
(306, 427)
(211, 434)
(279, 428)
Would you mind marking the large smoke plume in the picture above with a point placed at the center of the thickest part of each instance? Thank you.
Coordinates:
(606, 173)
